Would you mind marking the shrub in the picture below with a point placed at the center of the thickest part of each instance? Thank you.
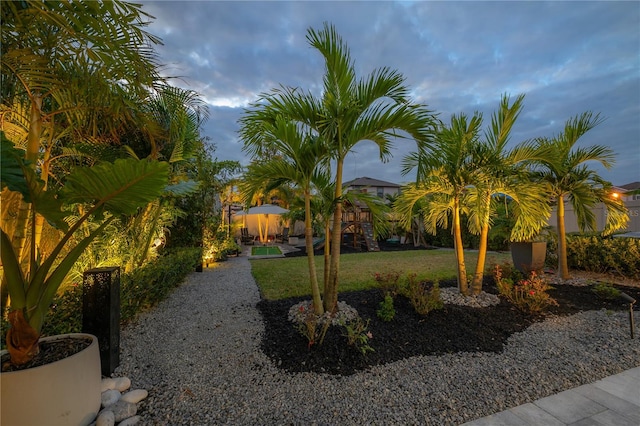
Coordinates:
(388, 282)
(357, 335)
(141, 290)
(606, 291)
(594, 253)
(386, 311)
(423, 298)
(528, 295)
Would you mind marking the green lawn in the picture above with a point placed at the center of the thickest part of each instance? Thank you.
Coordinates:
(289, 277)
(265, 250)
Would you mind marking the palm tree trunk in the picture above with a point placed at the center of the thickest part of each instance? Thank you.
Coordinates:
(458, 248)
(19, 239)
(327, 253)
(146, 243)
(331, 292)
(308, 239)
(563, 269)
(476, 286)
(44, 175)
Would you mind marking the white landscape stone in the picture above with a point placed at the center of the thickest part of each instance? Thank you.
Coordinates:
(122, 383)
(123, 410)
(109, 397)
(130, 421)
(134, 396)
(107, 383)
(106, 418)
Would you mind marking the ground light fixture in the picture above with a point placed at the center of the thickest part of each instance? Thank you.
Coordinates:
(631, 301)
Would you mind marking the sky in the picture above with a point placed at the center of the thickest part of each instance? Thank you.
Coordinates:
(457, 57)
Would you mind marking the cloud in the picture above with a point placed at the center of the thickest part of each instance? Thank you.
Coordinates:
(457, 57)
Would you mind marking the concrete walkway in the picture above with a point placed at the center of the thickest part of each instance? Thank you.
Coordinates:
(612, 401)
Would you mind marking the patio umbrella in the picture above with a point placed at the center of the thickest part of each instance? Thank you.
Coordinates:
(241, 213)
(266, 210)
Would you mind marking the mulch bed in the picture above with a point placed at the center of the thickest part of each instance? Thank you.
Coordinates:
(449, 330)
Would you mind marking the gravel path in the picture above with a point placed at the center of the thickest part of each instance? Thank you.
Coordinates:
(198, 354)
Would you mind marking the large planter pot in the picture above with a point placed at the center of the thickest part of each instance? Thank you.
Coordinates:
(65, 392)
(528, 256)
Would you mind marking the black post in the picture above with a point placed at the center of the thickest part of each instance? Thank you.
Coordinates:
(101, 313)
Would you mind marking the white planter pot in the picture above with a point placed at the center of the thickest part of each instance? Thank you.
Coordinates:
(65, 392)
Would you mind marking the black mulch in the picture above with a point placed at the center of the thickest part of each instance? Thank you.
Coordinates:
(452, 329)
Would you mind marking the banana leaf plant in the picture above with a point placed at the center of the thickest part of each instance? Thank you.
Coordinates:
(107, 191)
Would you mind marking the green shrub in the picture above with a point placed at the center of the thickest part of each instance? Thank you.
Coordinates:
(139, 291)
(606, 291)
(594, 253)
(423, 297)
(386, 311)
(147, 286)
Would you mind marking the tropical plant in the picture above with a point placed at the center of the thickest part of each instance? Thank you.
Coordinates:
(502, 172)
(351, 110)
(445, 171)
(108, 191)
(70, 71)
(301, 160)
(564, 167)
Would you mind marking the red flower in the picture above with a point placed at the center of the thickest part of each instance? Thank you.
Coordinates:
(532, 292)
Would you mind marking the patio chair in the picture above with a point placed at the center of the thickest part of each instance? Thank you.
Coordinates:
(246, 238)
(284, 237)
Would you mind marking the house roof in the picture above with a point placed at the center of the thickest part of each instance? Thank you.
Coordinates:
(367, 181)
(630, 186)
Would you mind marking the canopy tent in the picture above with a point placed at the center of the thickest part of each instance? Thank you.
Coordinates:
(262, 220)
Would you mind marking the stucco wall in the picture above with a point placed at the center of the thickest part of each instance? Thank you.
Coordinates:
(600, 212)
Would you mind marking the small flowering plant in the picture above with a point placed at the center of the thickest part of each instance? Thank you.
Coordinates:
(529, 294)
(357, 335)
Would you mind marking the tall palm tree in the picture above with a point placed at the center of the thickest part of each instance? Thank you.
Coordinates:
(564, 167)
(444, 174)
(503, 171)
(350, 110)
(301, 160)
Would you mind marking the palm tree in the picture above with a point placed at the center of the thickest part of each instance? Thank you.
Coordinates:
(301, 160)
(444, 175)
(503, 172)
(69, 70)
(375, 108)
(564, 167)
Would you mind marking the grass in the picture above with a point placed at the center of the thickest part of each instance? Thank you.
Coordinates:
(289, 277)
(265, 251)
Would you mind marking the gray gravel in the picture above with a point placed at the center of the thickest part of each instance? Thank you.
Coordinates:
(198, 355)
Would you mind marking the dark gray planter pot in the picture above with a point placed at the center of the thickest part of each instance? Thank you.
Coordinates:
(528, 256)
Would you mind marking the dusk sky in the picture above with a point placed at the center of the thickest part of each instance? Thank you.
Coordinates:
(457, 57)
